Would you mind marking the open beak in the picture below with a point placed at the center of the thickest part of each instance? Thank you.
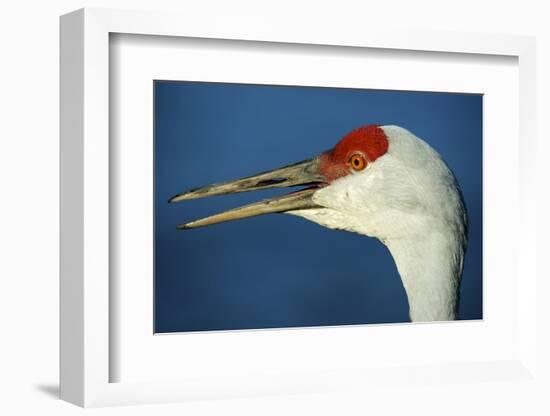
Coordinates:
(306, 173)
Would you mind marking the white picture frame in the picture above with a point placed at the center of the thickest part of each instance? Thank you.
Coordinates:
(86, 355)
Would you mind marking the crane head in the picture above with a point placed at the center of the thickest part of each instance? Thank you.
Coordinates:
(380, 181)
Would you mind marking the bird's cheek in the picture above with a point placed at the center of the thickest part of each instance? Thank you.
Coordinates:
(324, 198)
(334, 196)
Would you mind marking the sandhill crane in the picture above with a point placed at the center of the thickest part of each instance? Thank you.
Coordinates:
(381, 182)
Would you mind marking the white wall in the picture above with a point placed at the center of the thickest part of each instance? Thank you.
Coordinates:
(29, 209)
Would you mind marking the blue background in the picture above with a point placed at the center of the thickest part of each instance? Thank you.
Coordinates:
(279, 270)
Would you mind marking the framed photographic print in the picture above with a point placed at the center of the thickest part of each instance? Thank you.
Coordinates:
(277, 271)
(249, 214)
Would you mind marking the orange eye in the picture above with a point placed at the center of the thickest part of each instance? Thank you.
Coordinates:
(357, 162)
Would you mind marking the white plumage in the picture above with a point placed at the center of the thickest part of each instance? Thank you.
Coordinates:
(410, 201)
